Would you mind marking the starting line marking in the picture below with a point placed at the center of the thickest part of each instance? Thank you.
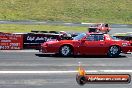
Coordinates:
(62, 72)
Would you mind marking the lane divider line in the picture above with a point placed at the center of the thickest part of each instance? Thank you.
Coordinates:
(66, 72)
(35, 72)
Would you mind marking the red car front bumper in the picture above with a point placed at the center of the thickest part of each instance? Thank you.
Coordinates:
(48, 50)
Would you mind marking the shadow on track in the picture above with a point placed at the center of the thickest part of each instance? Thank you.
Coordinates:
(80, 56)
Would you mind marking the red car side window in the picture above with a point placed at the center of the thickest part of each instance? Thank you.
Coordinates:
(97, 37)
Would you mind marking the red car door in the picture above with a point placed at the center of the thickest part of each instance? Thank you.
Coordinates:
(95, 45)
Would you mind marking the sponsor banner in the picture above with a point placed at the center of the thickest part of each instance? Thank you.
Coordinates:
(108, 78)
(104, 79)
(11, 41)
(82, 77)
(34, 41)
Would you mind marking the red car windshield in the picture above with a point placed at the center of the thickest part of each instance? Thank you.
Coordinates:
(80, 36)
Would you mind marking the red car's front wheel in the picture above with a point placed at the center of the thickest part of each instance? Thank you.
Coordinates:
(65, 50)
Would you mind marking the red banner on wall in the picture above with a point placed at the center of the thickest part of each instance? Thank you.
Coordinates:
(11, 41)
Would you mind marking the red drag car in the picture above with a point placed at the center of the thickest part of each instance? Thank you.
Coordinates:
(102, 27)
(87, 44)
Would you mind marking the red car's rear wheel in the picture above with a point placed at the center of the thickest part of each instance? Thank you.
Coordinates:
(114, 51)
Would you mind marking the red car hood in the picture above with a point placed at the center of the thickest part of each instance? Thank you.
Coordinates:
(53, 41)
(61, 41)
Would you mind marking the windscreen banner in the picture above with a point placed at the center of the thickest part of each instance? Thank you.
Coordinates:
(10, 41)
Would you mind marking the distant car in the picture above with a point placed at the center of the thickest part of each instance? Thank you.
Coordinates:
(102, 27)
(87, 44)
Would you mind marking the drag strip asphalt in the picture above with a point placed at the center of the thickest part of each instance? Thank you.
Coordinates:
(32, 69)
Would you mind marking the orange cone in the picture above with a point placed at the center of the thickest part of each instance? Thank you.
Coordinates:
(81, 70)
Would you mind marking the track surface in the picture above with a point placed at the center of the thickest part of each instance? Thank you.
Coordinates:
(35, 61)
(32, 22)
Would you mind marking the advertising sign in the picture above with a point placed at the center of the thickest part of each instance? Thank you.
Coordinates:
(82, 78)
(11, 41)
(34, 40)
